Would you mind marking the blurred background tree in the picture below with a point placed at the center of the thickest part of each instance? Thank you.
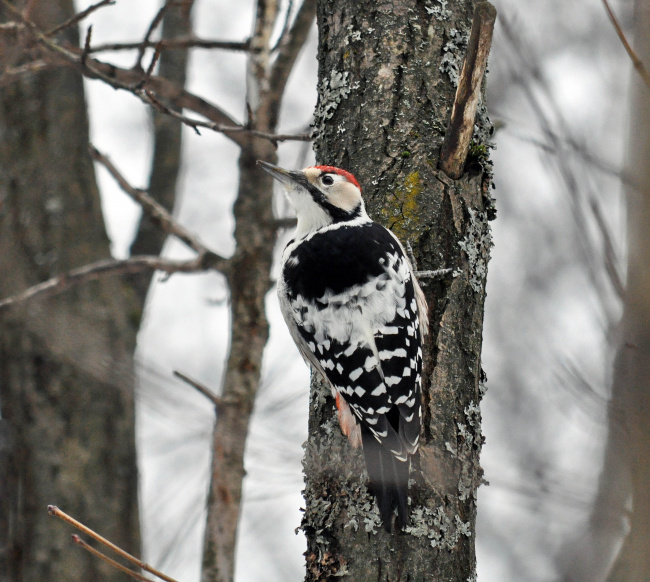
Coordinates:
(66, 363)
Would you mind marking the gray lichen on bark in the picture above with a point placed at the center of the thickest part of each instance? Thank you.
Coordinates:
(387, 128)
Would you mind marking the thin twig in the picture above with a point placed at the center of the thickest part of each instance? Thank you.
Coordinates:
(611, 260)
(150, 68)
(79, 17)
(196, 123)
(152, 26)
(636, 61)
(174, 43)
(289, 49)
(285, 27)
(114, 563)
(154, 211)
(56, 512)
(202, 388)
(84, 54)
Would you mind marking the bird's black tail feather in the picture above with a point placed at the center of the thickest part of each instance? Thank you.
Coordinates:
(389, 480)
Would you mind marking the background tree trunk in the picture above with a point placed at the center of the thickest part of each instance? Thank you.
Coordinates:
(150, 238)
(387, 80)
(628, 452)
(66, 370)
(249, 280)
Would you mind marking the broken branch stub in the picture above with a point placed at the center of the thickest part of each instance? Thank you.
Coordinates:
(455, 148)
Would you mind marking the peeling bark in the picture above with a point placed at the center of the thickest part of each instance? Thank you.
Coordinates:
(387, 80)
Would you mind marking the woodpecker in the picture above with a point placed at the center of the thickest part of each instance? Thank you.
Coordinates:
(355, 310)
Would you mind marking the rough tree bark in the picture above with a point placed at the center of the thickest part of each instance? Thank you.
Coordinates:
(66, 367)
(387, 80)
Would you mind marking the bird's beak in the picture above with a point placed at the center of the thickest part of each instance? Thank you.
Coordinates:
(285, 177)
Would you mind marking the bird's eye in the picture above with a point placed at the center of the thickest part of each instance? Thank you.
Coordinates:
(327, 180)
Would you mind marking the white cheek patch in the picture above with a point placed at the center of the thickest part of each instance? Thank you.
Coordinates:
(344, 195)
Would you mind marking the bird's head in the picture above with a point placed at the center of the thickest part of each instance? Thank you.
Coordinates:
(321, 195)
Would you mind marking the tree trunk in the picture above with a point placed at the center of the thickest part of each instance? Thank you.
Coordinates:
(388, 75)
(630, 403)
(150, 238)
(249, 280)
(66, 370)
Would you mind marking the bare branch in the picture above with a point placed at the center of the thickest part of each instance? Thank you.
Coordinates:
(636, 61)
(79, 17)
(209, 394)
(133, 81)
(205, 261)
(56, 512)
(175, 43)
(196, 123)
(289, 49)
(155, 211)
(128, 79)
(455, 148)
(105, 267)
(149, 71)
(114, 563)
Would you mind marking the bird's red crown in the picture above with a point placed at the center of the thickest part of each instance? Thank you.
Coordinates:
(332, 170)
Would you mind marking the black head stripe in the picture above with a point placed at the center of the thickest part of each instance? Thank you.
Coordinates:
(337, 214)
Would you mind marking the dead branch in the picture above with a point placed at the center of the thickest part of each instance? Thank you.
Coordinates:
(56, 512)
(78, 17)
(636, 61)
(174, 43)
(455, 148)
(285, 223)
(435, 274)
